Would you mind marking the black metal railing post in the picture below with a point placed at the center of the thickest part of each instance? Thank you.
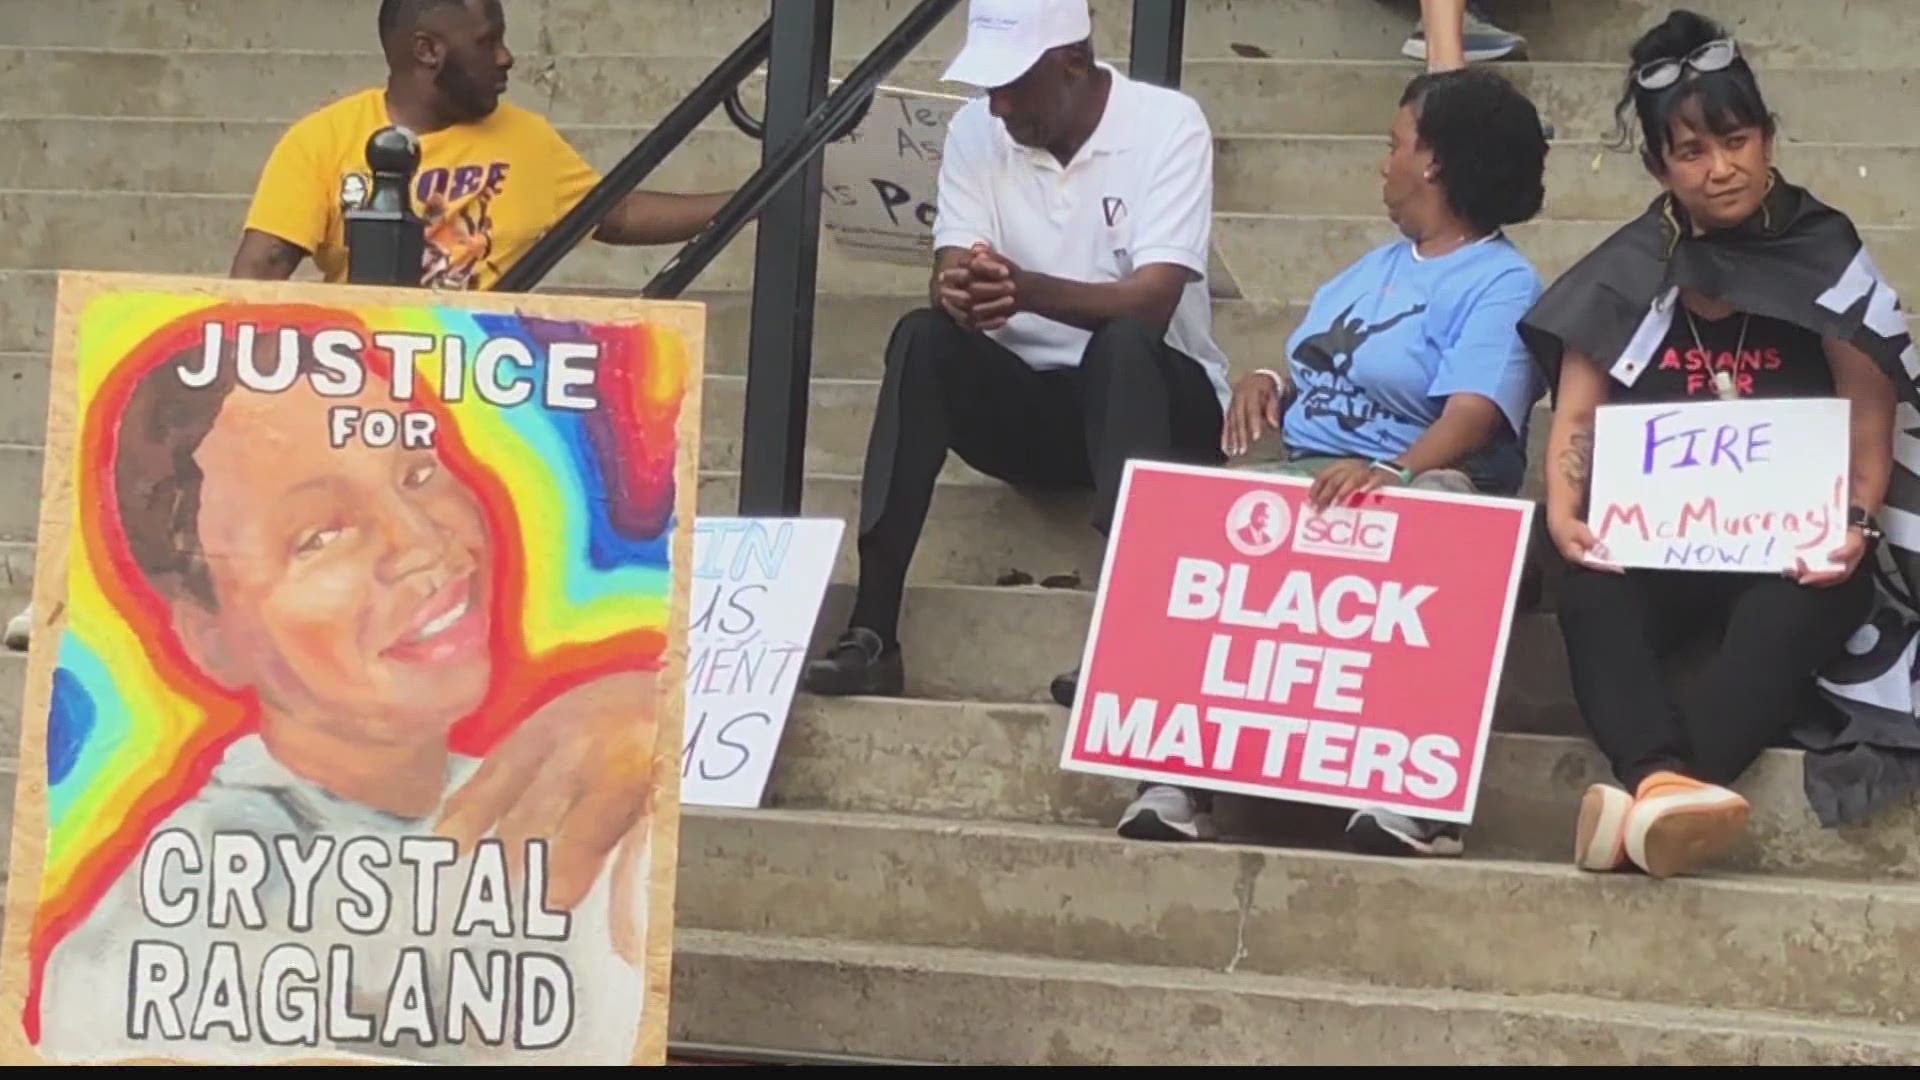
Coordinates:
(773, 439)
(1159, 40)
(385, 238)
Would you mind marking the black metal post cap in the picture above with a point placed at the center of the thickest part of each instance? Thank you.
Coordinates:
(393, 150)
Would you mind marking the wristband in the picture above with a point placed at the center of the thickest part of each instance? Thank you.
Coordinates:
(1404, 474)
(1279, 384)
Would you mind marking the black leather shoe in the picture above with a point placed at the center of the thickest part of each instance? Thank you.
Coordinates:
(857, 665)
(1066, 686)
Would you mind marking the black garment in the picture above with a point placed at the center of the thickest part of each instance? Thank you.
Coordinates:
(1787, 262)
(1772, 636)
(948, 388)
(1804, 264)
(1761, 357)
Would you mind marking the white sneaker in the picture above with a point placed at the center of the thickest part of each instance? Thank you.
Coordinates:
(1386, 832)
(19, 628)
(1164, 812)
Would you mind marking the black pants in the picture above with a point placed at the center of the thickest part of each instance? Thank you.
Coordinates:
(948, 388)
(1772, 636)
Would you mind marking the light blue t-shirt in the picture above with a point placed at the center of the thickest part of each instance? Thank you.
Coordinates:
(1389, 339)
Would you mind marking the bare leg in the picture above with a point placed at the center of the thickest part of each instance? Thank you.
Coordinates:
(1445, 22)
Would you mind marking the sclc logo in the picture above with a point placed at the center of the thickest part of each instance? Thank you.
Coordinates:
(1344, 533)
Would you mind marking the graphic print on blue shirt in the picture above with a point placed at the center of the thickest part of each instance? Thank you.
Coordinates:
(1388, 340)
(1331, 353)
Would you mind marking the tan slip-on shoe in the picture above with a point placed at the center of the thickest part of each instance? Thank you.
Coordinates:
(1678, 824)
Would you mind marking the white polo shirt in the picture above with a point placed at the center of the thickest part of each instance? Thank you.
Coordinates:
(1140, 191)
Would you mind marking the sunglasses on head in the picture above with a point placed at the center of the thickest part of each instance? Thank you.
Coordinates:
(1664, 72)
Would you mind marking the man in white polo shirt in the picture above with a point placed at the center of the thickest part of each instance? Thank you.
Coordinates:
(1069, 326)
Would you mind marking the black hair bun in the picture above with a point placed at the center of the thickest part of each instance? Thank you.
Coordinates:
(1681, 33)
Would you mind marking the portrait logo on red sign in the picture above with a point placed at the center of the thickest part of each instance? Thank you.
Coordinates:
(1258, 523)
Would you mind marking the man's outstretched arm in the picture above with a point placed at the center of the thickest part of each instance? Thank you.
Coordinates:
(652, 217)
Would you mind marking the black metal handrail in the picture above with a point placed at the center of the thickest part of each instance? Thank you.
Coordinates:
(619, 182)
(842, 109)
(754, 128)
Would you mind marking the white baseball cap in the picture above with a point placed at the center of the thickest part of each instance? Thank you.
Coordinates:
(1007, 37)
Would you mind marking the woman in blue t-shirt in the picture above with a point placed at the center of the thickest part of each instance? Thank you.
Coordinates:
(1408, 367)
(1409, 361)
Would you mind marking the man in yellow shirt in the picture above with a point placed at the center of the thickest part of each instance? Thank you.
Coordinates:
(493, 177)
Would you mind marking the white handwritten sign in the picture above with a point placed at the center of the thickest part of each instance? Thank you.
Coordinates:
(881, 178)
(757, 587)
(1753, 485)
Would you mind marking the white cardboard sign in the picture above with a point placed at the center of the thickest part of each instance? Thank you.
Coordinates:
(1754, 485)
(757, 588)
(880, 180)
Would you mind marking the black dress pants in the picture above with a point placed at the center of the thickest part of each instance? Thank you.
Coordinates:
(947, 388)
(1772, 636)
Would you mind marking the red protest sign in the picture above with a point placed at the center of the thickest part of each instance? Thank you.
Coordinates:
(1241, 642)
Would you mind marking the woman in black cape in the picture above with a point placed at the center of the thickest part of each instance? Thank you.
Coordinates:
(1734, 283)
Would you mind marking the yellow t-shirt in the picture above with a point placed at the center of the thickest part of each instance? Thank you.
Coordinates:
(486, 190)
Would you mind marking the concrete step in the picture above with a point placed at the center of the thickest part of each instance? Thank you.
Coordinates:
(1823, 949)
(1301, 174)
(1774, 32)
(1266, 96)
(976, 534)
(850, 329)
(840, 416)
(978, 643)
(979, 532)
(970, 1007)
(21, 472)
(1271, 256)
(1586, 179)
(13, 688)
(224, 157)
(23, 409)
(1005, 644)
(1289, 256)
(196, 234)
(999, 762)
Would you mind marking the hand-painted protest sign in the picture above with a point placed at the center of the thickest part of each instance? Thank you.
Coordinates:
(882, 177)
(757, 587)
(1753, 485)
(1245, 643)
(355, 696)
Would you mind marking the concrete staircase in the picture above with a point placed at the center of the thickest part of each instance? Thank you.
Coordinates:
(927, 885)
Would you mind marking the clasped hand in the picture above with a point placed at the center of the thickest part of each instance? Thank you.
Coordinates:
(983, 291)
